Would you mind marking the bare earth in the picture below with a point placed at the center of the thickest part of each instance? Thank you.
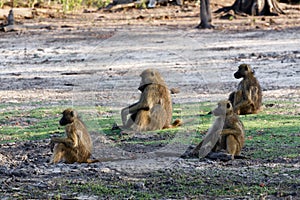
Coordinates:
(95, 59)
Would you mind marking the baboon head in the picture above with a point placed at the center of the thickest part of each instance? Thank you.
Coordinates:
(243, 71)
(224, 108)
(68, 117)
(150, 76)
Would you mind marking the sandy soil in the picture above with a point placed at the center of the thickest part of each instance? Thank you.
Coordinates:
(95, 59)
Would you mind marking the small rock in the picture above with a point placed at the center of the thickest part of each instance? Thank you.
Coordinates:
(105, 170)
(139, 186)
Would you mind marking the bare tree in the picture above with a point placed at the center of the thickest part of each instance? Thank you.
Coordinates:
(205, 15)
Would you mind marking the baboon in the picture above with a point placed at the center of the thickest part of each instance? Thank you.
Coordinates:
(77, 146)
(248, 97)
(233, 133)
(230, 137)
(154, 109)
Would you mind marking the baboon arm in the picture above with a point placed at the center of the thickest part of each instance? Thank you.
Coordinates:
(143, 104)
(136, 107)
(231, 131)
(68, 142)
(126, 111)
(246, 100)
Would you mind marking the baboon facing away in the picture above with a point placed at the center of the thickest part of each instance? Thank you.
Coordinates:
(230, 137)
(154, 109)
(248, 97)
(77, 146)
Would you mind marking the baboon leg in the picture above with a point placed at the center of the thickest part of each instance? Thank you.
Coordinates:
(196, 150)
(132, 117)
(157, 117)
(72, 156)
(142, 121)
(231, 146)
(58, 153)
(137, 120)
(221, 144)
(130, 121)
(238, 97)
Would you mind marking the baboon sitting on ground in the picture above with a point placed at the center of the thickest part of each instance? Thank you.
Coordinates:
(230, 137)
(248, 97)
(154, 109)
(77, 146)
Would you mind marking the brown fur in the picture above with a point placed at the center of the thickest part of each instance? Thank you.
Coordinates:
(154, 109)
(233, 133)
(248, 97)
(77, 146)
(232, 136)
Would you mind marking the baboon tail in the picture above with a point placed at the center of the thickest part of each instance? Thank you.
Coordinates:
(92, 160)
(176, 123)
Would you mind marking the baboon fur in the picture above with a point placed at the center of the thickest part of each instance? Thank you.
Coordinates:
(233, 133)
(154, 109)
(248, 97)
(232, 136)
(77, 146)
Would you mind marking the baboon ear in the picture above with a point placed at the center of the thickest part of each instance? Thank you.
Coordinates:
(228, 105)
(152, 73)
(246, 67)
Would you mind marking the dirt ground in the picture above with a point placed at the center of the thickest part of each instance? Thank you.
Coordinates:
(95, 58)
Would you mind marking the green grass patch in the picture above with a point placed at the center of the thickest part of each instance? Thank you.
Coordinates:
(272, 133)
(19, 122)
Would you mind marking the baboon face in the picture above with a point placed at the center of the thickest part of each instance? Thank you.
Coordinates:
(68, 117)
(223, 108)
(150, 76)
(243, 71)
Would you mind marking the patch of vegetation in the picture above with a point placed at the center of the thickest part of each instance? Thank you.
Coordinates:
(24, 122)
(66, 5)
(276, 135)
(178, 184)
(272, 136)
(272, 133)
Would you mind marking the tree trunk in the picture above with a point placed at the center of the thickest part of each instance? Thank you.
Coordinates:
(205, 15)
(254, 7)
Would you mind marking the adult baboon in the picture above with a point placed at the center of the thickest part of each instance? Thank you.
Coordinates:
(154, 109)
(77, 146)
(230, 137)
(248, 97)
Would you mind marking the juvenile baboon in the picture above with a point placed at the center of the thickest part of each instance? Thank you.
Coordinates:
(154, 109)
(230, 137)
(77, 146)
(248, 97)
